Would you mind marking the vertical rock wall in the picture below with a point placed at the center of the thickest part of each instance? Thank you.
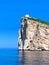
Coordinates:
(33, 35)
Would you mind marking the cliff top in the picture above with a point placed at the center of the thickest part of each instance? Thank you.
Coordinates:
(35, 19)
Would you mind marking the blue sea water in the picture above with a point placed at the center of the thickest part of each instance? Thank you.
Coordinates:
(8, 57)
(15, 57)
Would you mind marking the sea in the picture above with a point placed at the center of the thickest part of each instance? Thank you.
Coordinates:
(8, 56)
(17, 57)
(33, 57)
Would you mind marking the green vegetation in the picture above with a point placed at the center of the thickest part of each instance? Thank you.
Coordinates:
(41, 21)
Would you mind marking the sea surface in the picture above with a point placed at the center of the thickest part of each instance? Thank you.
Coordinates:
(15, 57)
(8, 57)
(33, 57)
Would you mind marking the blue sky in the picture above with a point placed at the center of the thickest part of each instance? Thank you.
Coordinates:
(11, 12)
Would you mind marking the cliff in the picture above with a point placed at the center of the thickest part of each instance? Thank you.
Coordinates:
(34, 34)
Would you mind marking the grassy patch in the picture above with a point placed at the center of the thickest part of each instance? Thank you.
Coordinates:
(41, 21)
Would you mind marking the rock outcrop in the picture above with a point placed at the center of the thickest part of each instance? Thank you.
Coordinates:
(34, 34)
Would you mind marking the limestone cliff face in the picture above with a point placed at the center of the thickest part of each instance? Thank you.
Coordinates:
(33, 35)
